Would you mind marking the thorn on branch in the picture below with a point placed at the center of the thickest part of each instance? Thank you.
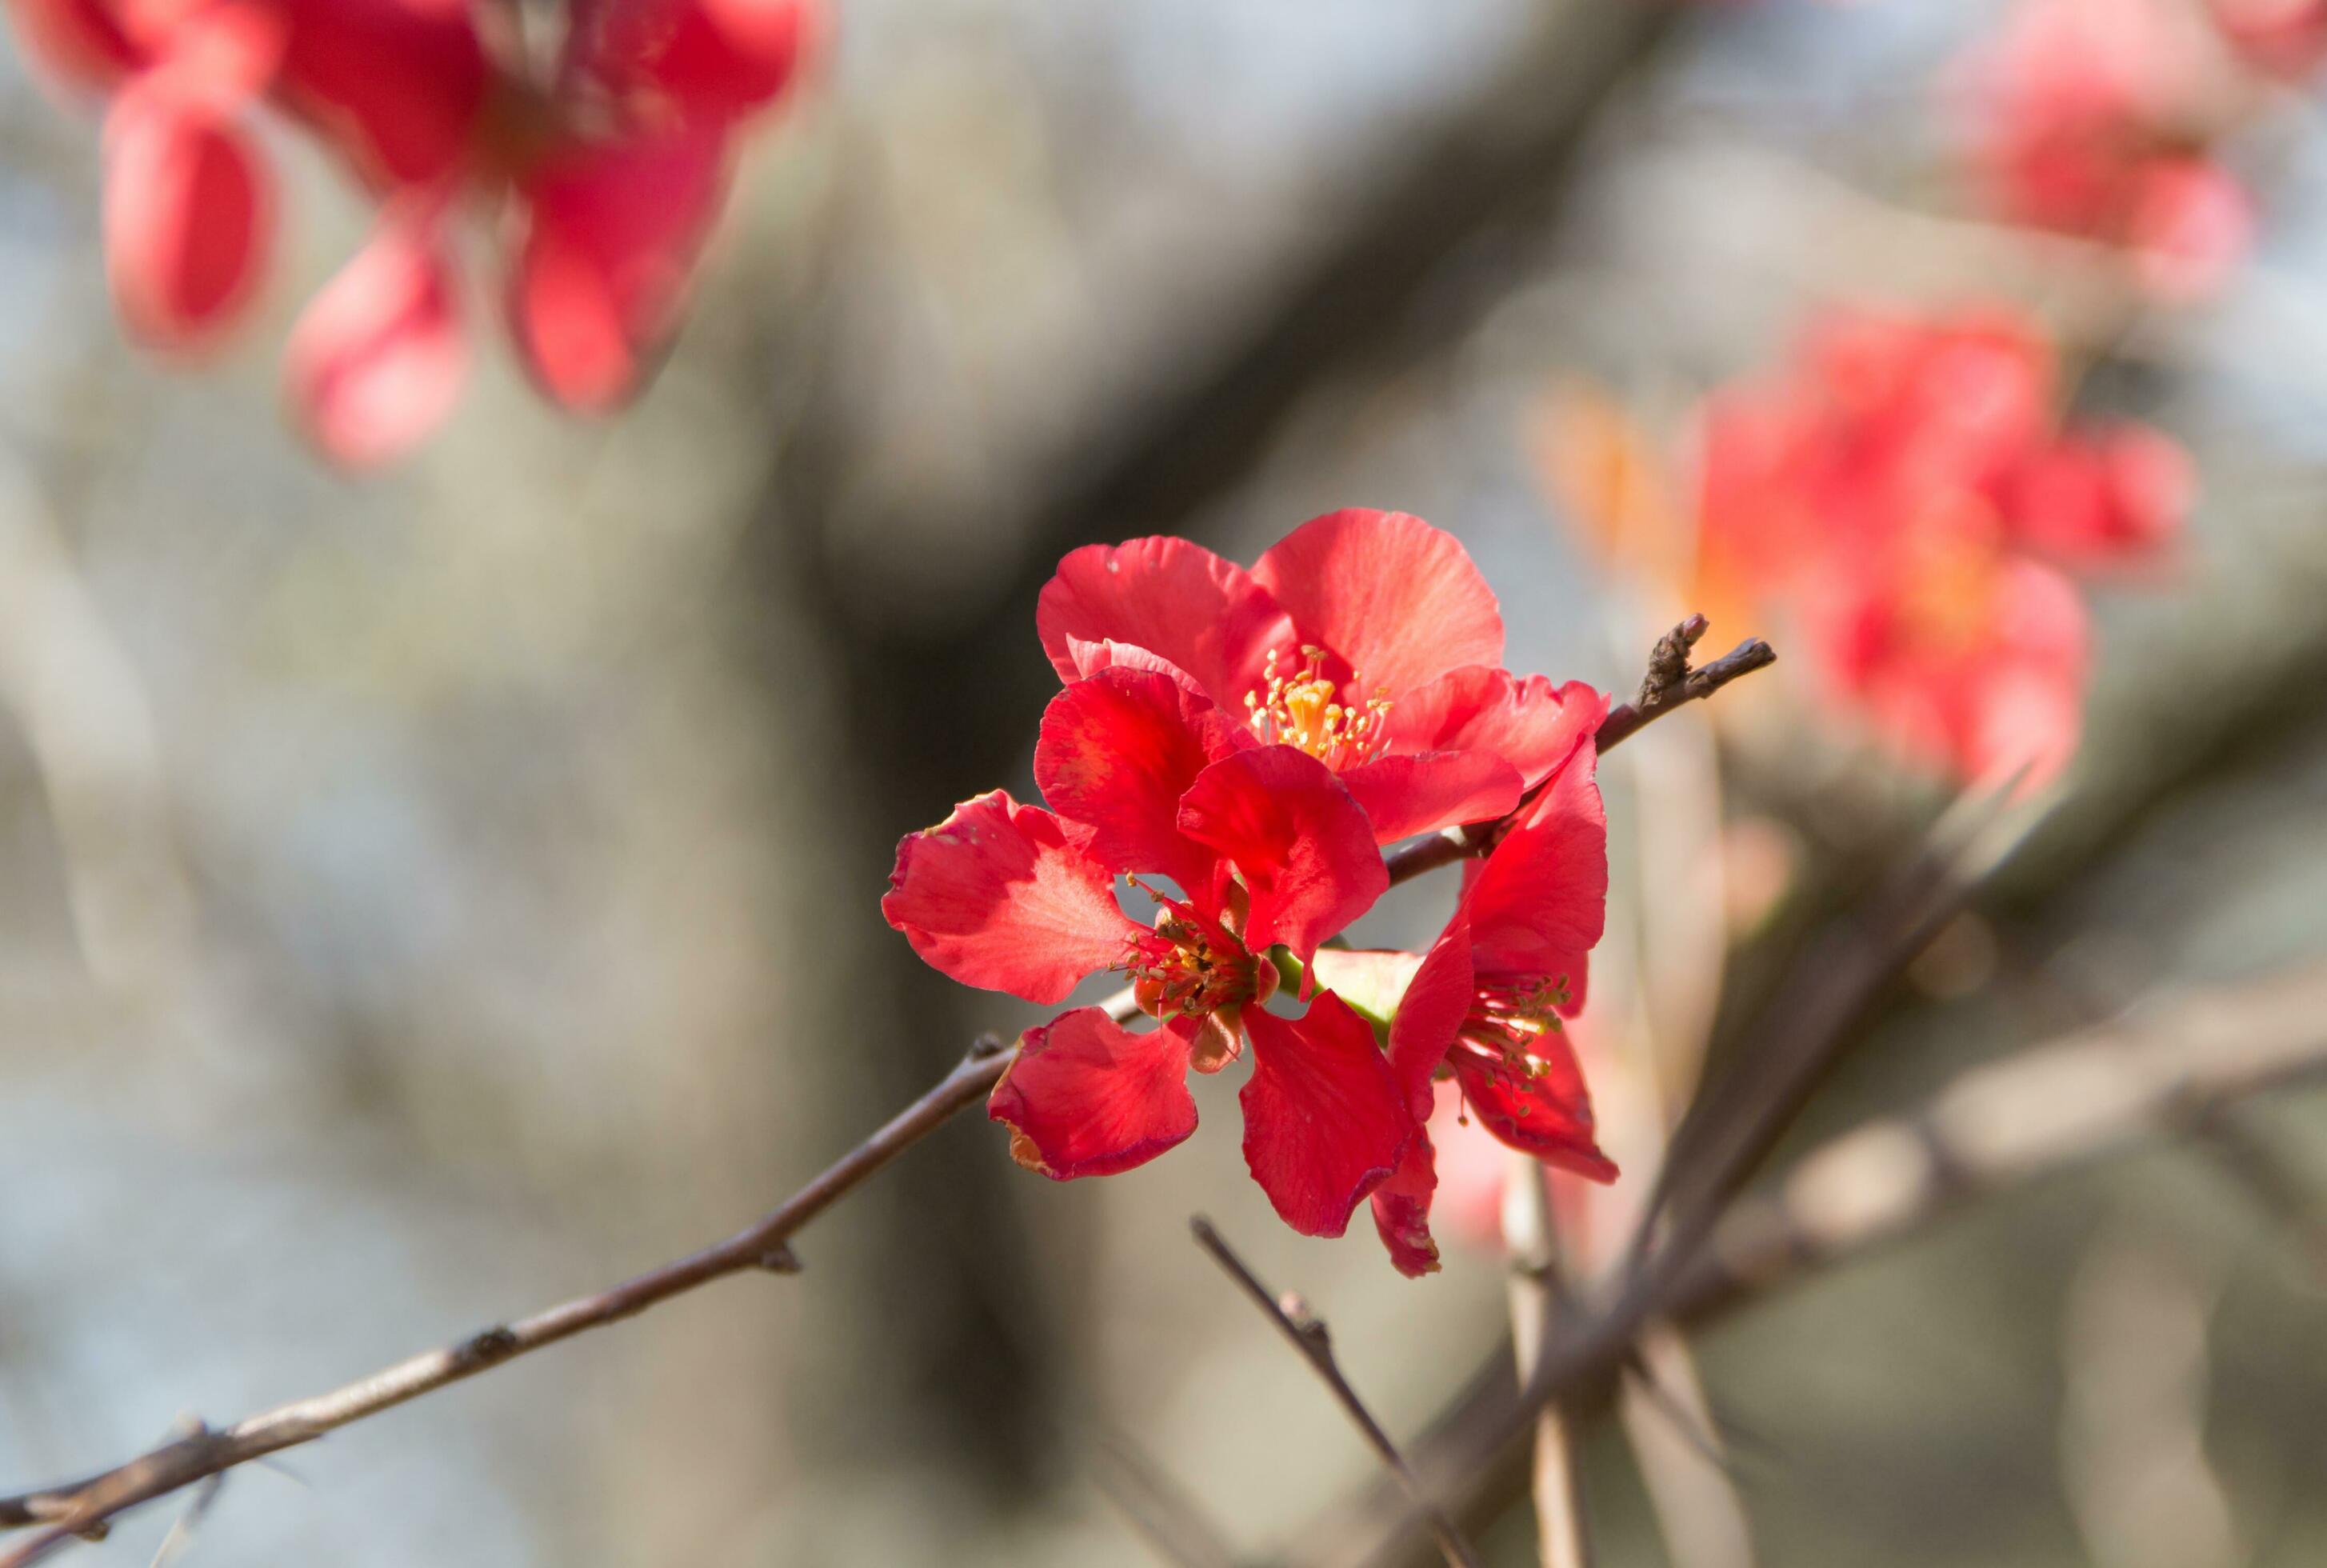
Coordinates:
(986, 1046)
(781, 1259)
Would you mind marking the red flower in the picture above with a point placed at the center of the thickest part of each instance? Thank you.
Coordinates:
(1484, 1006)
(1366, 639)
(1146, 776)
(619, 164)
(2093, 119)
(1907, 495)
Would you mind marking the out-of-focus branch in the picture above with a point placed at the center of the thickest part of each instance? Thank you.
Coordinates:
(79, 1507)
(1306, 1334)
(1537, 1288)
(1997, 1128)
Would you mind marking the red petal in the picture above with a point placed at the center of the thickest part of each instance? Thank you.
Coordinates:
(1090, 658)
(1323, 1124)
(1540, 902)
(401, 86)
(1118, 751)
(612, 239)
(1396, 598)
(1548, 1116)
(1402, 1209)
(1087, 1096)
(998, 896)
(1436, 1002)
(1532, 725)
(1304, 848)
(710, 59)
(1422, 792)
(79, 42)
(377, 360)
(1177, 600)
(189, 216)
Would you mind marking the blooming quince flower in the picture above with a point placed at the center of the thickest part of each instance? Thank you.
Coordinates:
(1366, 639)
(1484, 1005)
(1146, 776)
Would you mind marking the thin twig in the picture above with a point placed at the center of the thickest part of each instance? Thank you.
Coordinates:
(1623, 721)
(81, 1508)
(1307, 1335)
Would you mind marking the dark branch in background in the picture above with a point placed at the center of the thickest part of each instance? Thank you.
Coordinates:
(79, 1507)
(2173, 1068)
(1306, 1334)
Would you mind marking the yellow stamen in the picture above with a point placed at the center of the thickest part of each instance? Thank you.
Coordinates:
(1299, 710)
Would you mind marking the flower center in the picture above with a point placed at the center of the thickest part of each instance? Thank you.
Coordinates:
(1507, 1020)
(1191, 965)
(1300, 710)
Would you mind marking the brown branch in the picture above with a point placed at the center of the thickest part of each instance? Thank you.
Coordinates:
(81, 1508)
(1658, 696)
(1995, 1128)
(1307, 1335)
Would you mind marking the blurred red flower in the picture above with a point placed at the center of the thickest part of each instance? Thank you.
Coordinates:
(2095, 117)
(619, 165)
(1905, 492)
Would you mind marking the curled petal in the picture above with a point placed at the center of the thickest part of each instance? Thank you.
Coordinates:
(1087, 1096)
(401, 86)
(1323, 1124)
(1533, 724)
(1117, 753)
(1396, 598)
(1202, 614)
(377, 361)
(189, 215)
(1090, 658)
(1549, 1115)
(1538, 904)
(613, 232)
(1304, 848)
(1000, 896)
(1402, 1209)
(1424, 791)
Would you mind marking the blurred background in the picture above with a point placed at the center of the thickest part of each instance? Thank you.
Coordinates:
(426, 896)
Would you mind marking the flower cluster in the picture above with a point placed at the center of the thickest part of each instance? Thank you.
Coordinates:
(1251, 739)
(2105, 118)
(1906, 491)
(616, 169)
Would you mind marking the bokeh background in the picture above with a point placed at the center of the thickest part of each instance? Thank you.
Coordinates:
(424, 898)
